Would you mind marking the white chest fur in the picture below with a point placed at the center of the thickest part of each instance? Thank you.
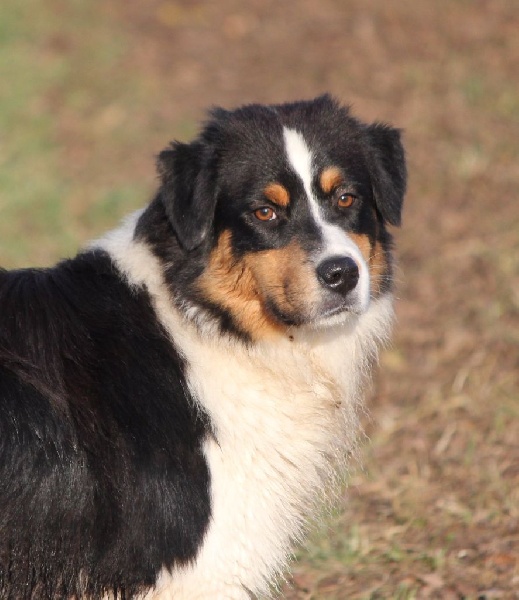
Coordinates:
(285, 417)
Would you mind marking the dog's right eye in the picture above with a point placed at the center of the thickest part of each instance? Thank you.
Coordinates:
(265, 213)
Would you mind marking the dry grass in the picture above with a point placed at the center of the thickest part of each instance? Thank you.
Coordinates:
(95, 93)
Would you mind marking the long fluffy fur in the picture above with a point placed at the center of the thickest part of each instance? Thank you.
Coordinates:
(177, 401)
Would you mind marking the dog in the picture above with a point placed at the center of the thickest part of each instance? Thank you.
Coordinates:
(177, 401)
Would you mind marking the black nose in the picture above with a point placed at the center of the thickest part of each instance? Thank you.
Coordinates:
(339, 274)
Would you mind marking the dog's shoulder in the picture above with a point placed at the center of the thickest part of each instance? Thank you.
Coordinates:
(97, 426)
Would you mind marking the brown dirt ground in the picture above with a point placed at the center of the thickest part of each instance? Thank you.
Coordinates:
(434, 513)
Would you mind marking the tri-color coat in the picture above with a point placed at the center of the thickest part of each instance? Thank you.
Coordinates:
(177, 400)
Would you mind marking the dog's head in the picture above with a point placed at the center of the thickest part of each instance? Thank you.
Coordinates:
(284, 209)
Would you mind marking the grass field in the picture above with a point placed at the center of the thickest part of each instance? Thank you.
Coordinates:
(91, 92)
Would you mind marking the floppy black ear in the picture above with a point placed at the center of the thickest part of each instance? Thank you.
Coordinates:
(187, 192)
(388, 170)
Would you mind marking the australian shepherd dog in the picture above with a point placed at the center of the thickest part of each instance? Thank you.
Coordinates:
(177, 400)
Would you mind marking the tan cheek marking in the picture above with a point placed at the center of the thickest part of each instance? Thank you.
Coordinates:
(283, 277)
(378, 267)
(375, 257)
(331, 177)
(286, 278)
(278, 194)
(231, 285)
(363, 243)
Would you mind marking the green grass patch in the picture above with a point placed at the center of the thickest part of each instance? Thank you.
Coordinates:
(59, 67)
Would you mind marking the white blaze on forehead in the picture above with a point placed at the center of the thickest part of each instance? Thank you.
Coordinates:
(300, 158)
(335, 241)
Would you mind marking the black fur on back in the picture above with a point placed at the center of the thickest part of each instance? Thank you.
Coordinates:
(102, 476)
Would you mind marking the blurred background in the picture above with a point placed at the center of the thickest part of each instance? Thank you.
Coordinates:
(90, 92)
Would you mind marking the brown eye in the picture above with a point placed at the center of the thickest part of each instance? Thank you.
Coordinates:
(265, 213)
(346, 200)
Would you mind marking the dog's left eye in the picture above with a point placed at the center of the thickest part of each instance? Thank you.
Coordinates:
(265, 213)
(345, 199)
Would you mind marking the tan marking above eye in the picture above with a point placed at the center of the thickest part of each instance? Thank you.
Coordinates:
(265, 213)
(331, 178)
(278, 194)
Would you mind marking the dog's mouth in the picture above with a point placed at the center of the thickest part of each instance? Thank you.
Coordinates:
(337, 316)
(327, 314)
(351, 308)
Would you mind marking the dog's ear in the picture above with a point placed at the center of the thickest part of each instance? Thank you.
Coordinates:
(187, 191)
(388, 170)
